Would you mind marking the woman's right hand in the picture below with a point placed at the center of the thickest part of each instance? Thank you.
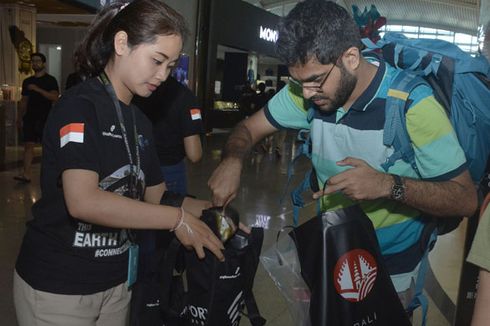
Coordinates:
(193, 233)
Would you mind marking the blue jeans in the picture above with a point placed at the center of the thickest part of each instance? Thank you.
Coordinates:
(175, 177)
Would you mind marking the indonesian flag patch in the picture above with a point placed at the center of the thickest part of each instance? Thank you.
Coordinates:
(72, 132)
(196, 114)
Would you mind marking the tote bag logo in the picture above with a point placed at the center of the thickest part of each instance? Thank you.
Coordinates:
(355, 274)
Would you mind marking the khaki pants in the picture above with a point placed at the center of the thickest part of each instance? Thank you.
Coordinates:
(38, 308)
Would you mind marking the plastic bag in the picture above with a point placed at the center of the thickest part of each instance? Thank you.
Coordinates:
(282, 264)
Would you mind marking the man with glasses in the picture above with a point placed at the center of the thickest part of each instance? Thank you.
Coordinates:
(38, 94)
(320, 43)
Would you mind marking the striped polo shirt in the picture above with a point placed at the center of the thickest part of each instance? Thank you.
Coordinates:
(358, 133)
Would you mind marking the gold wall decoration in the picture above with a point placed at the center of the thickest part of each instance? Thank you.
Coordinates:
(23, 48)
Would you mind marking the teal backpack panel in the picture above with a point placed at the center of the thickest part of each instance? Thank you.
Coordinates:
(460, 83)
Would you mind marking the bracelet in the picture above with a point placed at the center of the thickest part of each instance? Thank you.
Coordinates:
(179, 222)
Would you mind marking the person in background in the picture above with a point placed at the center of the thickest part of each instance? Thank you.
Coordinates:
(73, 79)
(177, 128)
(39, 92)
(246, 100)
(251, 73)
(260, 98)
(100, 177)
(479, 253)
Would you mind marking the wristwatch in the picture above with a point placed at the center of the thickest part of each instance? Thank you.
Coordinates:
(398, 188)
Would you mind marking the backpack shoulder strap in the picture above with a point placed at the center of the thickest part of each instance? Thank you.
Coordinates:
(296, 194)
(395, 132)
(420, 299)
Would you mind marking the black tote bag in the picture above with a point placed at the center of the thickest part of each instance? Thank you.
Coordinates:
(342, 265)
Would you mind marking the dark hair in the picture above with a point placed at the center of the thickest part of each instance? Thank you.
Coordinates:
(316, 29)
(40, 55)
(142, 20)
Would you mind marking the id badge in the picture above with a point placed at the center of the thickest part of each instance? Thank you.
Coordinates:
(133, 264)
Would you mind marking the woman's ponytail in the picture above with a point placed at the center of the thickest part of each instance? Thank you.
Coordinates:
(93, 53)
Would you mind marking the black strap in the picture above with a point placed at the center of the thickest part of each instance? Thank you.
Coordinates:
(133, 176)
(171, 198)
(249, 263)
(166, 268)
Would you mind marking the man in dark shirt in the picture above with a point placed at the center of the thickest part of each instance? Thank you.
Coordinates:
(177, 125)
(38, 94)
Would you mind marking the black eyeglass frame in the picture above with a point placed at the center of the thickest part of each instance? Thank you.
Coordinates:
(314, 88)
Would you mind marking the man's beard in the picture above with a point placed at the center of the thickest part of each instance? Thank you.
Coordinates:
(38, 69)
(346, 86)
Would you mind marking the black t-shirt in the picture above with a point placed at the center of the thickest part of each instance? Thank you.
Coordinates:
(260, 100)
(37, 105)
(175, 114)
(73, 79)
(61, 254)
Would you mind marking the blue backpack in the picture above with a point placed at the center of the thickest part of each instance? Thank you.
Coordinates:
(460, 83)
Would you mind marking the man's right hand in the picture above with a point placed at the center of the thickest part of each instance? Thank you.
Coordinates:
(225, 180)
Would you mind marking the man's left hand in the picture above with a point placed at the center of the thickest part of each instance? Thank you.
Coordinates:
(361, 182)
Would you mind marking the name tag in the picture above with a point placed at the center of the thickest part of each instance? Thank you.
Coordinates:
(133, 264)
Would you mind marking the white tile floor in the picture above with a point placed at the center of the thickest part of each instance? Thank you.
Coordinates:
(263, 182)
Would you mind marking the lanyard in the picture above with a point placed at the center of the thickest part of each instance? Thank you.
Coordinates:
(133, 177)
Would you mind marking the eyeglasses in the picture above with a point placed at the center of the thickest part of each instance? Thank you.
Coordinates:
(314, 87)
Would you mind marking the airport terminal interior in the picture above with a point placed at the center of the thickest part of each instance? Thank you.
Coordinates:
(263, 198)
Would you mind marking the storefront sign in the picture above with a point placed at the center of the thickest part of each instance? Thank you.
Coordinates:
(268, 34)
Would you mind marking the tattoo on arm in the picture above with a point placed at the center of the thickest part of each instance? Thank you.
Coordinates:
(239, 143)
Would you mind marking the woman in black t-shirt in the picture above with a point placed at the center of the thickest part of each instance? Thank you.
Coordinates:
(100, 176)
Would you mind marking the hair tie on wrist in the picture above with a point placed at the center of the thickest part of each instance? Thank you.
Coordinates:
(179, 222)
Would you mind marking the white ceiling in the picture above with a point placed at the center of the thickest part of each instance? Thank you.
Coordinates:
(455, 15)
